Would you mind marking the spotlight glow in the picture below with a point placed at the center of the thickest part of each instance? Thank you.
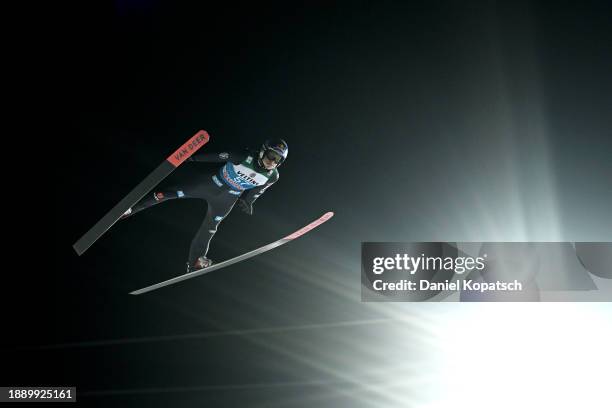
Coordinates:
(526, 355)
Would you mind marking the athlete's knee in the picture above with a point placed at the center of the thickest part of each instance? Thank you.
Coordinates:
(215, 224)
(160, 196)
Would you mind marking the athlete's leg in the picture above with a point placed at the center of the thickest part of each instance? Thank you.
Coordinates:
(217, 211)
(156, 197)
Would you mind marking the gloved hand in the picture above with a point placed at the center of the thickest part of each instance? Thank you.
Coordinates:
(246, 207)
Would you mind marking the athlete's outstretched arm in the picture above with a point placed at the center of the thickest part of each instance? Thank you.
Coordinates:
(248, 197)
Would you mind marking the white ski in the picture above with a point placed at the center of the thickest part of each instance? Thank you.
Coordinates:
(242, 257)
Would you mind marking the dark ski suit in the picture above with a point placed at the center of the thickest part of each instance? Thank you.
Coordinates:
(239, 178)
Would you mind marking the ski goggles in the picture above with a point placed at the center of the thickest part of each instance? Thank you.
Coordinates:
(272, 155)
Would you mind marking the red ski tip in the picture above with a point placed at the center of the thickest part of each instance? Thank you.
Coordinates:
(310, 226)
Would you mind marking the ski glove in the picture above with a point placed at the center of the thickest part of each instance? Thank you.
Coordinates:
(246, 207)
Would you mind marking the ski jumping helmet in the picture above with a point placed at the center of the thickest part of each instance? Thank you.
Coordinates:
(276, 150)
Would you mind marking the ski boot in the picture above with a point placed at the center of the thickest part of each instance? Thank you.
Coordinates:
(126, 214)
(201, 263)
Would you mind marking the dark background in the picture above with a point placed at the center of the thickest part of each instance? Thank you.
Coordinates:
(435, 120)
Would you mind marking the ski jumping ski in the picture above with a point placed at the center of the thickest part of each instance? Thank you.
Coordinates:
(160, 173)
(240, 258)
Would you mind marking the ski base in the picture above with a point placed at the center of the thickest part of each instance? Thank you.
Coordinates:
(160, 173)
(240, 258)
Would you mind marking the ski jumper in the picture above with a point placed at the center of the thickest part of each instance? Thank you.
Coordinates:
(238, 178)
